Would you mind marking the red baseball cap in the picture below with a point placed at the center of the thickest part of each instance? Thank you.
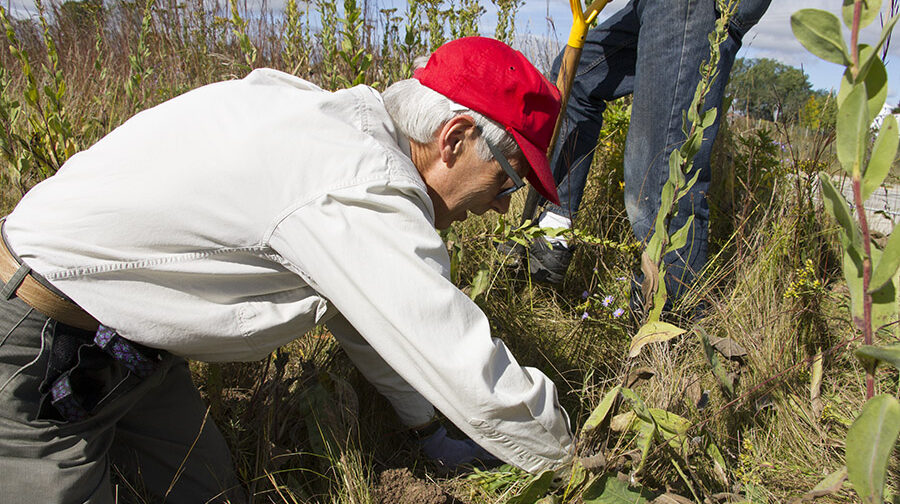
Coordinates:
(497, 81)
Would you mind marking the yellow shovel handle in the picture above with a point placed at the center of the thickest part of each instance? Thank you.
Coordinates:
(572, 54)
(581, 20)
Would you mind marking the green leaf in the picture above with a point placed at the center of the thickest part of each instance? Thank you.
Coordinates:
(659, 298)
(884, 299)
(653, 332)
(670, 422)
(876, 79)
(672, 427)
(831, 484)
(637, 404)
(534, 490)
(480, 283)
(725, 381)
(883, 153)
(838, 208)
(676, 176)
(692, 181)
(719, 466)
(866, 60)
(870, 355)
(645, 432)
(853, 274)
(691, 146)
(870, 442)
(709, 117)
(679, 238)
(851, 130)
(886, 268)
(608, 489)
(820, 34)
(868, 12)
(601, 411)
(886, 31)
(666, 201)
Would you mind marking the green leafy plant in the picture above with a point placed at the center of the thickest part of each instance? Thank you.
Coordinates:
(296, 39)
(327, 37)
(412, 44)
(353, 52)
(464, 20)
(682, 177)
(37, 149)
(870, 271)
(239, 27)
(138, 59)
(506, 18)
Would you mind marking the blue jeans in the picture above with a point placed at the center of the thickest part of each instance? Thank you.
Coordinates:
(652, 49)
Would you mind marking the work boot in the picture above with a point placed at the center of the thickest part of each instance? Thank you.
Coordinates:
(548, 264)
(513, 253)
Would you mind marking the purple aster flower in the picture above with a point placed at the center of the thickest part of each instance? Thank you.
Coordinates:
(585, 294)
(618, 313)
(607, 300)
(584, 316)
(621, 279)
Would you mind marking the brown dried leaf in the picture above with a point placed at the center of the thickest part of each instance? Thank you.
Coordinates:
(815, 387)
(622, 422)
(651, 278)
(639, 375)
(594, 463)
(670, 498)
(729, 348)
(693, 391)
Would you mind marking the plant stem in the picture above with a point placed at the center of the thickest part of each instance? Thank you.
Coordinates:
(854, 38)
(861, 213)
(867, 276)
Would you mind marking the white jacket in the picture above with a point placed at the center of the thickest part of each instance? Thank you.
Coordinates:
(232, 219)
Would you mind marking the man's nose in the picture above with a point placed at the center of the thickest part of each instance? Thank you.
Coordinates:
(501, 206)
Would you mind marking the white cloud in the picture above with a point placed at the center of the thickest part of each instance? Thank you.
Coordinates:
(771, 38)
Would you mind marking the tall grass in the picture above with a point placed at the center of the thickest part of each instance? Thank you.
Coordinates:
(305, 427)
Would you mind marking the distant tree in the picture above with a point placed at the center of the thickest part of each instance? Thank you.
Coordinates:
(819, 111)
(767, 89)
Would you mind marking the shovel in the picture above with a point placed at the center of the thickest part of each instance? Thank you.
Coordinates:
(581, 21)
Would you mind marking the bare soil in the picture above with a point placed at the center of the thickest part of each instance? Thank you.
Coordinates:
(400, 486)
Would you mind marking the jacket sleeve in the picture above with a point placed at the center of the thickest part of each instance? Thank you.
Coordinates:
(372, 251)
(411, 407)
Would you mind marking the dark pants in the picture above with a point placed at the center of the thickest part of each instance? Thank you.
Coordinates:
(154, 431)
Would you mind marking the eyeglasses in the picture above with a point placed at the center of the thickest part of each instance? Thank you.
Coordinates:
(504, 163)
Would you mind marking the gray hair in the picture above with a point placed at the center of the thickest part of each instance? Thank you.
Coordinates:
(419, 112)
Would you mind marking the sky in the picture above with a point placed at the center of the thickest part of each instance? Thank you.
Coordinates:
(771, 38)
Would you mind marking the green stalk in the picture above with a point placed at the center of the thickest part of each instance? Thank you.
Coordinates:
(861, 212)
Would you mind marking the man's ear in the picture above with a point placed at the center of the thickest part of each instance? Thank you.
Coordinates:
(451, 138)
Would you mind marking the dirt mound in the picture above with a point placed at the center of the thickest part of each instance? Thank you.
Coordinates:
(399, 486)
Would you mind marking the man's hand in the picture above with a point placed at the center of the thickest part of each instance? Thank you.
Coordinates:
(451, 453)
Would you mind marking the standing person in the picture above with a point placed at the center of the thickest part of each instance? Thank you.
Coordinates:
(228, 221)
(653, 50)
